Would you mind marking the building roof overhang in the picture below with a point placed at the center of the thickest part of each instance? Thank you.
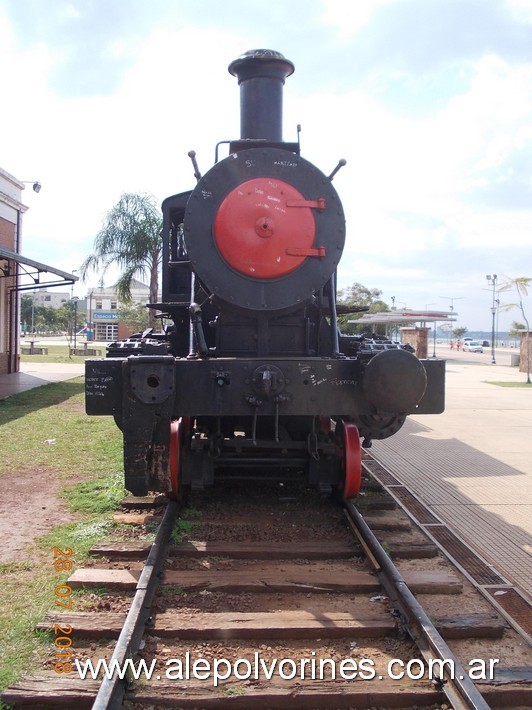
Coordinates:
(405, 316)
(33, 270)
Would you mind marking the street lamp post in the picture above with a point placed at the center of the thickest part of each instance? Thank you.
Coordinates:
(75, 301)
(32, 313)
(90, 326)
(452, 299)
(492, 280)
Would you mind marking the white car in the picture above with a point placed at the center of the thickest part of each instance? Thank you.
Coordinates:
(473, 346)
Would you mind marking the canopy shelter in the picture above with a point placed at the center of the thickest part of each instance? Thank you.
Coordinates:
(408, 317)
(30, 272)
(405, 316)
(25, 275)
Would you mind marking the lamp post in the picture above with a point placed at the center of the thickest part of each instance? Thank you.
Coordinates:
(90, 327)
(452, 299)
(492, 280)
(75, 300)
(32, 313)
(35, 183)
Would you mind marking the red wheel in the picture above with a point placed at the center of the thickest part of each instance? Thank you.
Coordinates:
(349, 454)
(178, 429)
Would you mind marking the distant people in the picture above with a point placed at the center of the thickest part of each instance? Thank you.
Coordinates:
(458, 345)
(452, 344)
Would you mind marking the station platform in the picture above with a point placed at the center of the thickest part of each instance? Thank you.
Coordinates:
(472, 465)
(36, 374)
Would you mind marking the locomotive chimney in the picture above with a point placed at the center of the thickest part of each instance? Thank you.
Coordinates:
(261, 74)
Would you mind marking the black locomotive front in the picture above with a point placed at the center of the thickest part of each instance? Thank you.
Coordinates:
(252, 377)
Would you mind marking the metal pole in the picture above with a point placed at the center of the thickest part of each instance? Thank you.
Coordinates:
(32, 311)
(492, 280)
(493, 336)
(75, 322)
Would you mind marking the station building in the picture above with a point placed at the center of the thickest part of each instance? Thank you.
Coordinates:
(18, 272)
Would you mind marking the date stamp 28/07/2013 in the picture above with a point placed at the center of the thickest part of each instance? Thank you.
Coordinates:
(63, 598)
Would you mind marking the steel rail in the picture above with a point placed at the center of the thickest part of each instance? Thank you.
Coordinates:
(112, 690)
(458, 687)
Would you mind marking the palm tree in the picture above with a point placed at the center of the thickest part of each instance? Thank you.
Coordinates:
(521, 285)
(130, 238)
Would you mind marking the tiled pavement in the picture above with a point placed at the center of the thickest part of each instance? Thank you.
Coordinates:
(35, 374)
(472, 465)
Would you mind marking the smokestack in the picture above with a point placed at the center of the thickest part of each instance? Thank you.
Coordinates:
(261, 74)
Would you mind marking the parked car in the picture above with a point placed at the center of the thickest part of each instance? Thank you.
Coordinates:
(473, 346)
(485, 343)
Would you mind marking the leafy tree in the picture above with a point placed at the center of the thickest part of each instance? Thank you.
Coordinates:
(130, 238)
(521, 284)
(515, 328)
(459, 332)
(48, 318)
(134, 316)
(26, 306)
(362, 297)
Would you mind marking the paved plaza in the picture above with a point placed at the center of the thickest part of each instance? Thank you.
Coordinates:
(472, 465)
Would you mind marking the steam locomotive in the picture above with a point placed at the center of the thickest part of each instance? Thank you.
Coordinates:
(251, 377)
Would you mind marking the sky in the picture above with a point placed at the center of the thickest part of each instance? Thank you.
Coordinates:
(428, 101)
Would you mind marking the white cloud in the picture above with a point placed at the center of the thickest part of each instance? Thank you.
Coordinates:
(522, 9)
(349, 16)
(416, 188)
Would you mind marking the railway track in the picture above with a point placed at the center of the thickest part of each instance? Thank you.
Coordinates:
(282, 599)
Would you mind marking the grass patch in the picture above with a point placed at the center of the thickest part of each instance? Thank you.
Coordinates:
(25, 599)
(191, 513)
(181, 527)
(59, 353)
(170, 589)
(234, 690)
(79, 537)
(86, 449)
(100, 495)
(56, 413)
(509, 384)
(12, 567)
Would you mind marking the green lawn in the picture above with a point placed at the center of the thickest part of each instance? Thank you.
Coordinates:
(58, 353)
(87, 460)
(509, 384)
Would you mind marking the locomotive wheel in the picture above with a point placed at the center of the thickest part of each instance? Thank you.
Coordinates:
(178, 430)
(349, 454)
